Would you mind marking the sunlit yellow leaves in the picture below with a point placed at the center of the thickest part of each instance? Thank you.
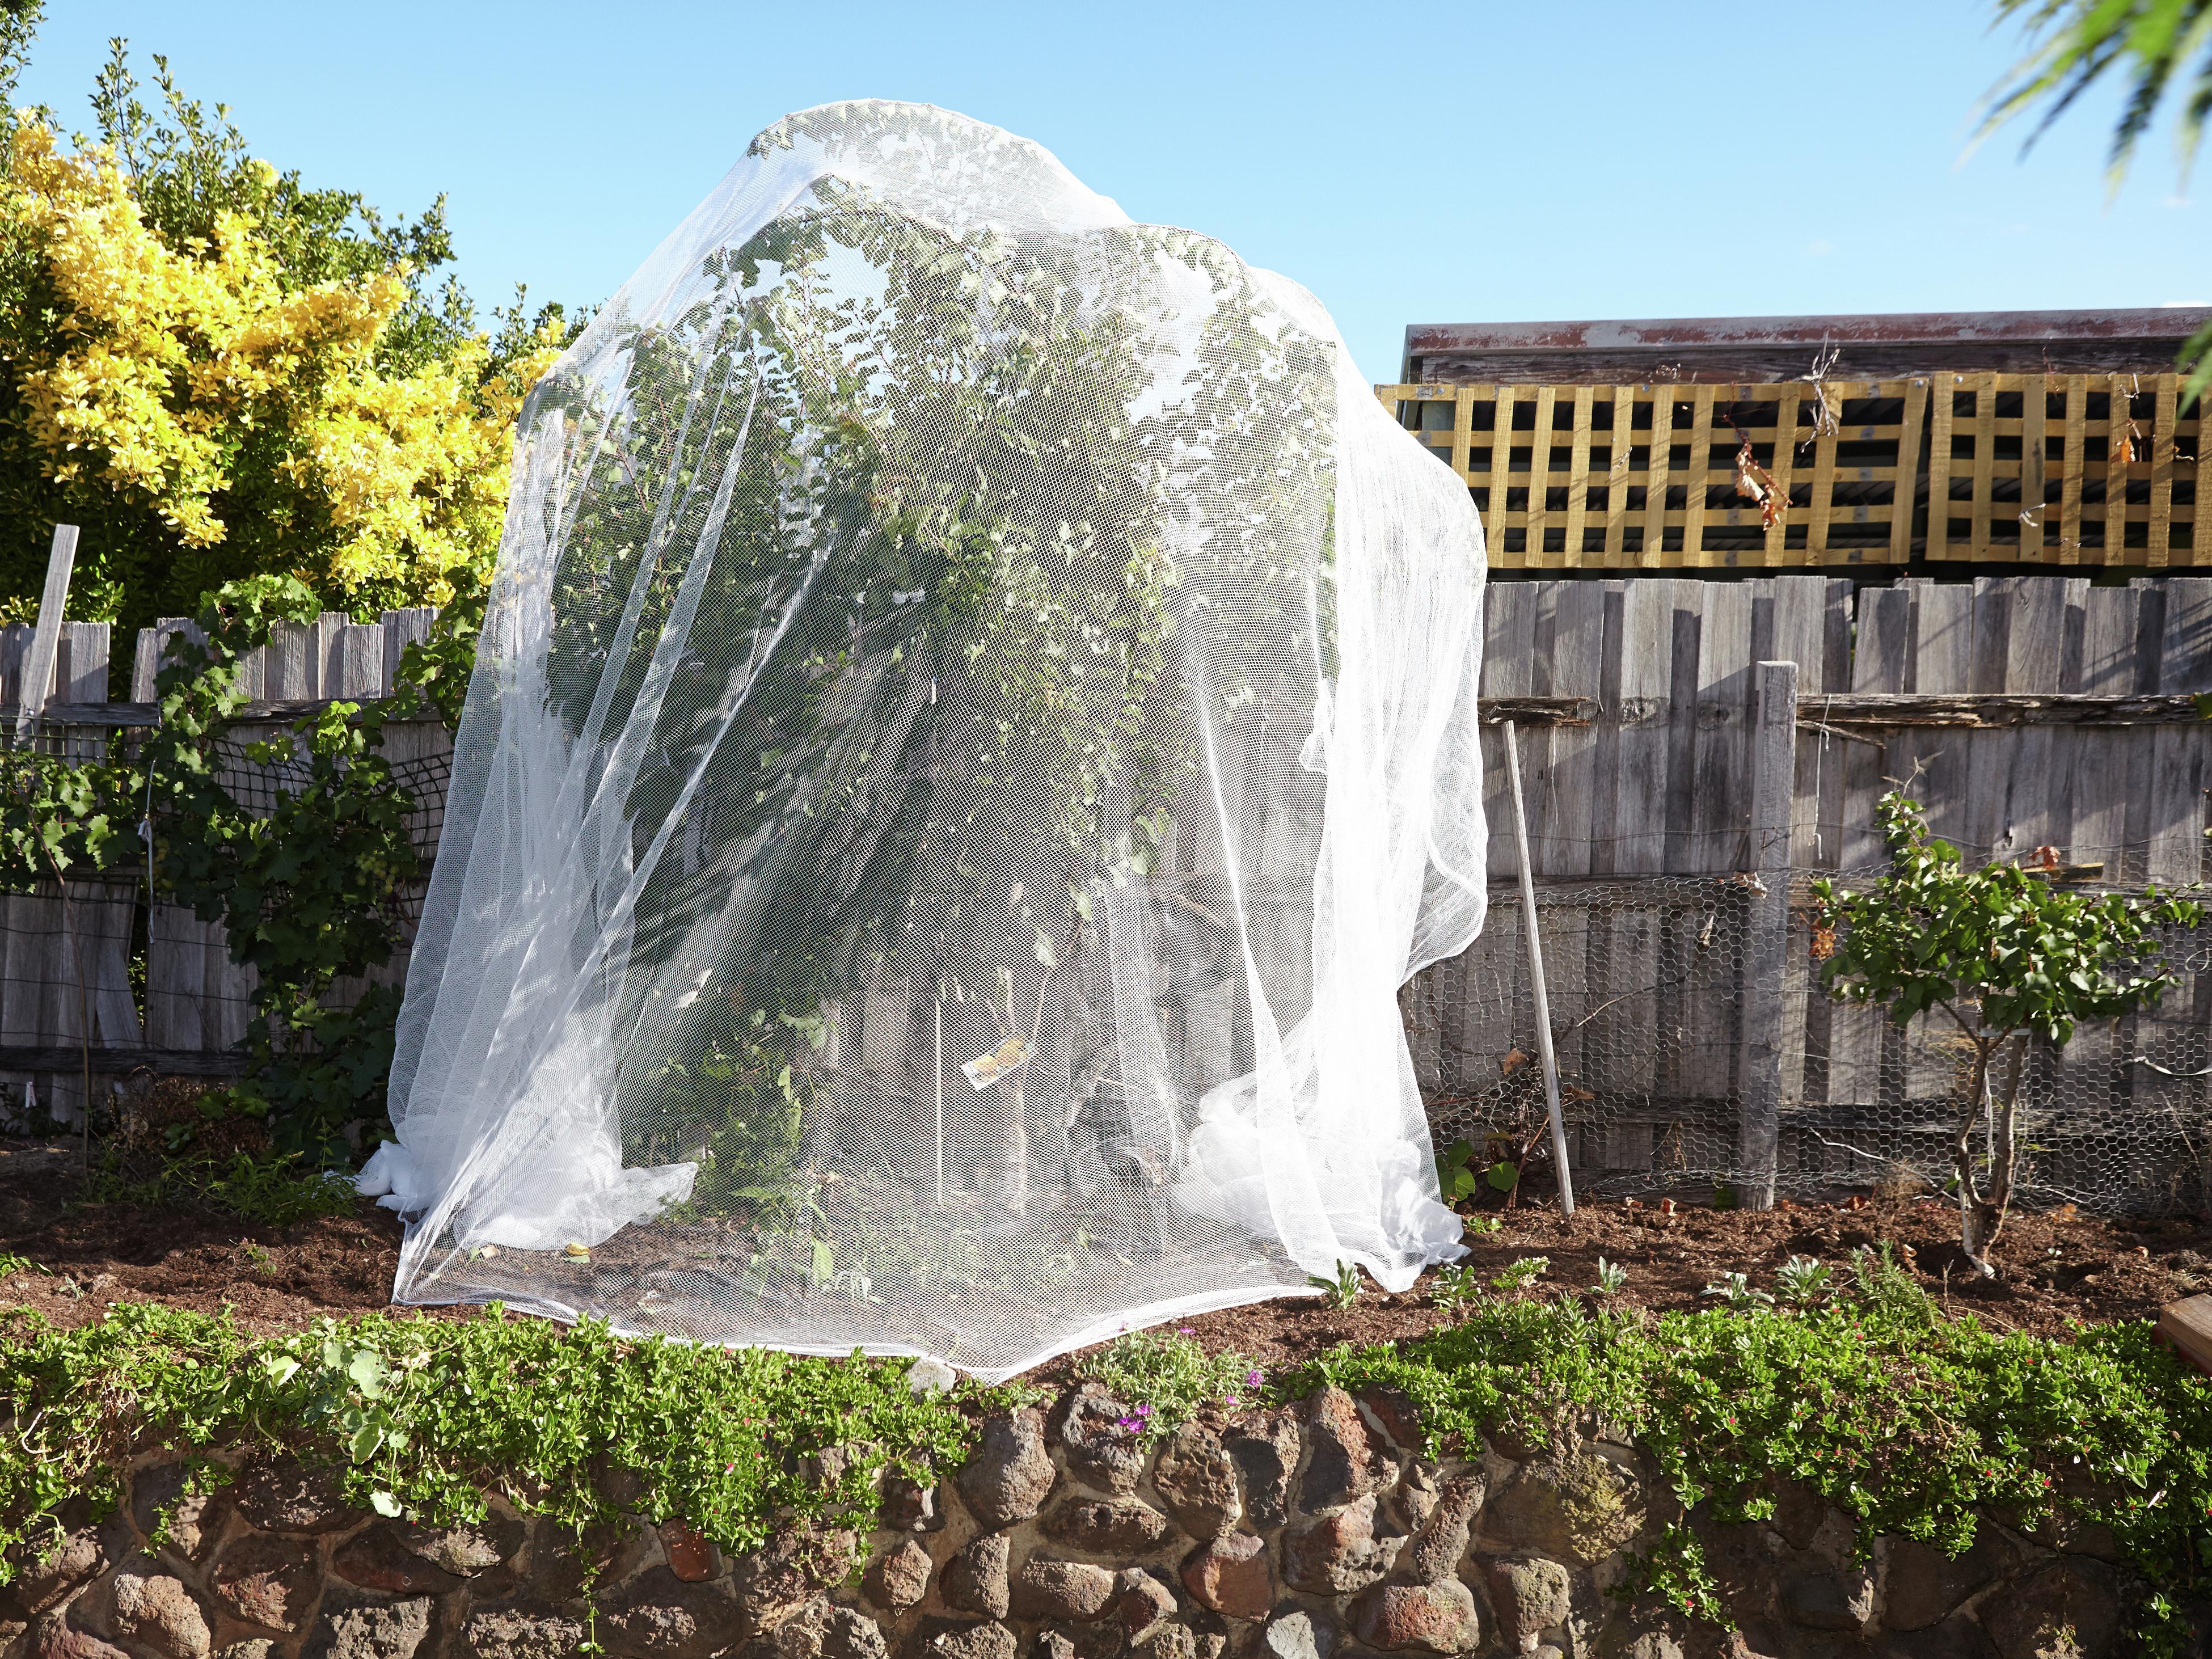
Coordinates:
(159, 362)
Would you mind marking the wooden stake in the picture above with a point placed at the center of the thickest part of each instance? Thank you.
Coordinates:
(940, 1101)
(1544, 1055)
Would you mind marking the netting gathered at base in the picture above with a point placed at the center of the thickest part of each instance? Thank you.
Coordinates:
(974, 724)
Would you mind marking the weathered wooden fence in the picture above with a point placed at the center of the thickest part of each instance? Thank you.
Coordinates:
(2027, 713)
(67, 1003)
(2032, 713)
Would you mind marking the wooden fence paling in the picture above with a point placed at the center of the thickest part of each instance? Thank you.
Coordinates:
(1760, 1088)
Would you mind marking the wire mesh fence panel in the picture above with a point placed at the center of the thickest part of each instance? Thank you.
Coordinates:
(2120, 1119)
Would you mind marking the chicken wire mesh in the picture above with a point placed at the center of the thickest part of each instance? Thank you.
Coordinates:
(1649, 983)
(975, 721)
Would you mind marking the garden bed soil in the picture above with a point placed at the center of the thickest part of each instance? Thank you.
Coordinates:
(2059, 1267)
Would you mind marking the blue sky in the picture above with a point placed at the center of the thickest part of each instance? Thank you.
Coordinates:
(1432, 163)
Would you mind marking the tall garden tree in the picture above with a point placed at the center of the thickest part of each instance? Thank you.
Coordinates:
(2005, 955)
(221, 373)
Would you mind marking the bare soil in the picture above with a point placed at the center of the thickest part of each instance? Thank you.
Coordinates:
(2059, 1269)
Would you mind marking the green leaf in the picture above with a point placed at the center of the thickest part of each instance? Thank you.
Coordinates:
(384, 1504)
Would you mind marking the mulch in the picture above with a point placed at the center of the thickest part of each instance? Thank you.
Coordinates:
(2059, 1269)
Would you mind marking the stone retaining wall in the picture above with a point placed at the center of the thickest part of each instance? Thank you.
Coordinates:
(1310, 1532)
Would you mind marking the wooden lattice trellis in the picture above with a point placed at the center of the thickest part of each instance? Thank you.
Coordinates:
(1862, 464)
(2067, 469)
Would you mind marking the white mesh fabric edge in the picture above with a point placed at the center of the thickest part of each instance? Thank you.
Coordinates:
(1197, 955)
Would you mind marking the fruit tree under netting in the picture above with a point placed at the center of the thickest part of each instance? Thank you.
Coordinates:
(975, 722)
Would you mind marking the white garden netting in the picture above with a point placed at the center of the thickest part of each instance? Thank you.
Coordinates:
(975, 723)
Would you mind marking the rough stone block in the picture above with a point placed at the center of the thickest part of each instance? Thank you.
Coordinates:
(823, 1630)
(521, 1632)
(1197, 1480)
(1436, 1549)
(1921, 1585)
(661, 1617)
(897, 1580)
(1007, 1476)
(690, 1555)
(464, 1551)
(1574, 1506)
(1231, 1575)
(1141, 1601)
(2064, 1610)
(1336, 1554)
(349, 1627)
(948, 1638)
(975, 1579)
(1046, 1588)
(153, 1610)
(788, 1570)
(1294, 1636)
(1340, 1460)
(1100, 1453)
(188, 1522)
(1264, 1446)
(1529, 1594)
(374, 1559)
(1108, 1526)
(1829, 1601)
(1429, 1617)
(281, 1494)
(265, 1580)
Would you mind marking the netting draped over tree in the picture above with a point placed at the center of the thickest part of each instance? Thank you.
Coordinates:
(975, 722)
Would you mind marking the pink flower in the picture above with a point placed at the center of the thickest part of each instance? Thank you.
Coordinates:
(1253, 1378)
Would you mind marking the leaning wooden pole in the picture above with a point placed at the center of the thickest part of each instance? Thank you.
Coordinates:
(1544, 1055)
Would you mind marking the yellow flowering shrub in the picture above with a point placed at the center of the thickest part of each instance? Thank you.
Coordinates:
(206, 415)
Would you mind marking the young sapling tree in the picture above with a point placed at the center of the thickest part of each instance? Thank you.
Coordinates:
(2006, 956)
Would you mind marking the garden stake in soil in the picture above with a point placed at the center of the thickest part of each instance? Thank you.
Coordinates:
(1544, 1055)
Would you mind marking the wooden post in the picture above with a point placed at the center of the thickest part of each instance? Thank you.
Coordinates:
(45, 644)
(940, 1096)
(1536, 977)
(1774, 768)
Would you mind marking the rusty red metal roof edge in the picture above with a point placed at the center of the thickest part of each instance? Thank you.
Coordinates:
(2175, 323)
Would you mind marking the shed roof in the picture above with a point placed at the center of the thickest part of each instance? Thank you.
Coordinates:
(1879, 345)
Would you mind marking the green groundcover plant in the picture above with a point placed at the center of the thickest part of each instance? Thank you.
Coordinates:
(1912, 1423)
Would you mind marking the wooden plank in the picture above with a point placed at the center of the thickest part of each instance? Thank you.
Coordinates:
(2034, 406)
(2073, 467)
(1569, 660)
(2175, 842)
(1618, 461)
(1774, 746)
(2162, 472)
(1984, 388)
(1658, 477)
(1699, 479)
(45, 643)
(2186, 1328)
(1721, 721)
(1540, 480)
(1462, 457)
(2100, 808)
(1783, 471)
(1914, 397)
(2201, 514)
(1509, 652)
(294, 662)
(2120, 458)
(1990, 755)
(1880, 662)
(1578, 464)
(1943, 396)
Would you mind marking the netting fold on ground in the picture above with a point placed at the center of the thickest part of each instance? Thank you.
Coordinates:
(975, 722)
